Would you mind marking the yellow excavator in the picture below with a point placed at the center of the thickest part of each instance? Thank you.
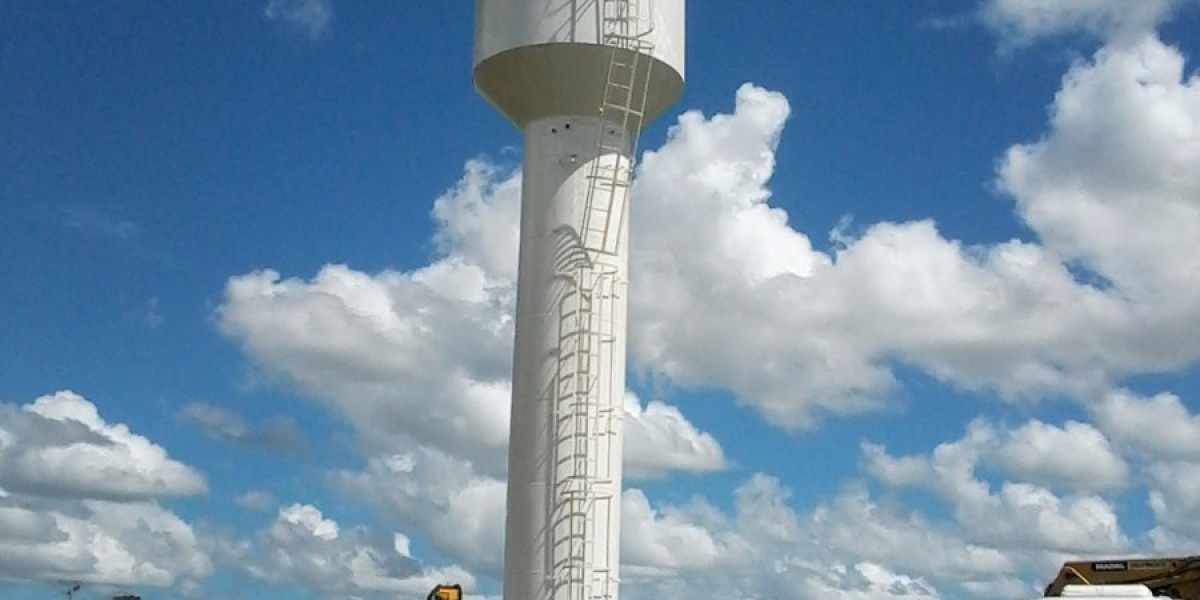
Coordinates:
(1174, 577)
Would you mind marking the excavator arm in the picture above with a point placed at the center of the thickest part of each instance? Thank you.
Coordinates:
(1177, 577)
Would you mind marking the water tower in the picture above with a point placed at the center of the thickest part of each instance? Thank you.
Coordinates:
(579, 78)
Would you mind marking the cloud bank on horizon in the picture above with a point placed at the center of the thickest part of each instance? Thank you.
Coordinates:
(417, 363)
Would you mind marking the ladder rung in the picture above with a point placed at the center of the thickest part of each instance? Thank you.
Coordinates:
(621, 107)
(613, 181)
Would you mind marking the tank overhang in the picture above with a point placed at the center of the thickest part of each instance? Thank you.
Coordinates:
(529, 82)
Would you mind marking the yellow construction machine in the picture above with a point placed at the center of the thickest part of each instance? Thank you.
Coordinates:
(446, 591)
(1174, 577)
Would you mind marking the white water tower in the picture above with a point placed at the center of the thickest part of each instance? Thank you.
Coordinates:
(580, 78)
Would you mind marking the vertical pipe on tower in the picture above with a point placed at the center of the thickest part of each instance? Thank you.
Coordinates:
(547, 65)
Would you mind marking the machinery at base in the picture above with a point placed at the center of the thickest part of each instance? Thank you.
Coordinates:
(446, 591)
(1175, 577)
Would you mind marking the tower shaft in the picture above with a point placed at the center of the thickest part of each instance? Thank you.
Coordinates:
(579, 78)
(564, 475)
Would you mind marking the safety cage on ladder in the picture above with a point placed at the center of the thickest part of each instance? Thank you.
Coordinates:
(587, 410)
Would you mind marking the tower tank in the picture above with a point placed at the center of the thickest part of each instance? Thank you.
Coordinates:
(580, 78)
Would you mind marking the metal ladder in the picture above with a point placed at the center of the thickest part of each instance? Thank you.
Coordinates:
(584, 428)
(624, 107)
(586, 425)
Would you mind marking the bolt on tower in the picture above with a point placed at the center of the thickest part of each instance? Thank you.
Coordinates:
(580, 78)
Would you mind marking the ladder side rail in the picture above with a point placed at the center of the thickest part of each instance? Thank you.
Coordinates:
(633, 145)
(555, 507)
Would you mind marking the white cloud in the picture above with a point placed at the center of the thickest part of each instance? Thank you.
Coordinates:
(799, 334)
(304, 547)
(480, 217)
(854, 524)
(1174, 499)
(1113, 185)
(440, 495)
(1161, 426)
(868, 581)
(850, 547)
(78, 501)
(658, 439)
(308, 519)
(1014, 514)
(59, 446)
(718, 312)
(311, 18)
(136, 544)
(653, 542)
(1076, 455)
(1021, 22)
(404, 356)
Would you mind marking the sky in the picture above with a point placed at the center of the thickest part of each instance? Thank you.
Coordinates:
(913, 304)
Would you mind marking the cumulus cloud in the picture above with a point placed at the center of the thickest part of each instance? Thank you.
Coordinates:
(479, 219)
(1165, 434)
(1021, 22)
(663, 543)
(303, 546)
(99, 542)
(423, 354)
(850, 547)
(801, 334)
(460, 510)
(78, 500)
(658, 439)
(855, 524)
(310, 18)
(868, 581)
(1076, 455)
(1016, 514)
(1113, 185)
(59, 446)
(1174, 500)
(1161, 426)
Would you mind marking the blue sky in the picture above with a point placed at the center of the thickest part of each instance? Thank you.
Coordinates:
(913, 300)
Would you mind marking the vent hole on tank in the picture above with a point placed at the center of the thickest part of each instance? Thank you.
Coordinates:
(553, 130)
(567, 126)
